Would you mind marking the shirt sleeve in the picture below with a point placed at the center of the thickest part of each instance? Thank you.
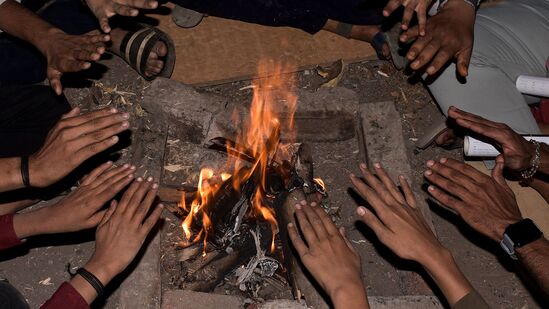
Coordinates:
(471, 300)
(8, 238)
(66, 297)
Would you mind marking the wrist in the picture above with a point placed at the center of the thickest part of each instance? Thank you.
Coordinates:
(30, 223)
(43, 38)
(537, 245)
(100, 271)
(346, 292)
(35, 173)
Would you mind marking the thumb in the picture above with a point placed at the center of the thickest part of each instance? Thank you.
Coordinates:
(497, 173)
(54, 76)
(463, 60)
(344, 235)
(104, 23)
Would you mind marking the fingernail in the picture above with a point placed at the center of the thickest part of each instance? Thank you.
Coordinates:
(313, 204)
(352, 175)
(108, 162)
(113, 110)
(430, 163)
(126, 165)
(401, 177)
(125, 124)
(377, 165)
(290, 224)
(155, 186)
(303, 202)
(363, 166)
(431, 188)
(443, 160)
(125, 115)
(361, 211)
(161, 205)
(430, 70)
(130, 176)
(114, 139)
(428, 173)
(149, 179)
(132, 167)
(139, 179)
(415, 63)
(297, 206)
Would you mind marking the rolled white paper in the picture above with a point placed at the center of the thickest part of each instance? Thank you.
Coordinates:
(474, 148)
(533, 85)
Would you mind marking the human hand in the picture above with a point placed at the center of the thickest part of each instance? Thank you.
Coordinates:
(486, 203)
(397, 221)
(105, 9)
(81, 209)
(411, 6)
(74, 139)
(123, 230)
(517, 152)
(449, 34)
(69, 53)
(327, 253)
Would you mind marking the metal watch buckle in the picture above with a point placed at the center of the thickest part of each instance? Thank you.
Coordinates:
(508, 246)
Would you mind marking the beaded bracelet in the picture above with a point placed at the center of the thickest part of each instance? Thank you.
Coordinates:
(529, 173)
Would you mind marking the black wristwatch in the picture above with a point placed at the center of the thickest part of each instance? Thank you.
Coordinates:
(519, 234)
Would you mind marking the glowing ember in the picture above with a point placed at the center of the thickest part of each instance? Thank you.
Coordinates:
(260, 138)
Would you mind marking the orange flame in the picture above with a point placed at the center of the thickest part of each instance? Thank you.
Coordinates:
(273, 97)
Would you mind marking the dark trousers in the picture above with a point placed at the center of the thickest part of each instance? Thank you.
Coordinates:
(307, 15)
(27, 114)
(21, 63)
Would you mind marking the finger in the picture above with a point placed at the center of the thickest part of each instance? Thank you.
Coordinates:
(151, 220)
(407, 17)
(408, 194)
(91, 150)
(306, 226)
(497, 174)
(82, 55)
(426, 55)
(445, 199)
(298, 243)
(124, 201)
(88, 179)
(422, 20)
(376, 185)
(442, 57)
(373, 222)
(72, 113)
(347, 242)
(409, 35)
(451, 186)
(146, 204)
(96, 218)
(89, 116)
(463, 60)
(391, 6)
(369, 195)
(96, 131)
(389, 184)
(124, 10)
(457, 113)
(112, 176)
(315, 220)
(138, 196)
(329, 225)
(464, 169)
(140, 4)
(104, 24)
(54, 76)
(109, 213)
(417, 48)
(116, 187)
(98, 39)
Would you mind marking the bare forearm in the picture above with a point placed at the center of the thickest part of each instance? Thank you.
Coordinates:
(22, 23)
(10, 172)
(534, 258)
(448, 277)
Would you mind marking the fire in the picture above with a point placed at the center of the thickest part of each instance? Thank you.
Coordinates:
(273, 97)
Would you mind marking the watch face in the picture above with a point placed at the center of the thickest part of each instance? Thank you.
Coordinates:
(523, 232)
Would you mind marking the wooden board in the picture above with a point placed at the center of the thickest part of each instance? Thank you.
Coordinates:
(221, 50)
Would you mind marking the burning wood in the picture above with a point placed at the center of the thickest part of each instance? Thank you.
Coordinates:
(236, 215)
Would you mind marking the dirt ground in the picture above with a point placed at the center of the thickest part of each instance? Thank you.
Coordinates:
(481, 261)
